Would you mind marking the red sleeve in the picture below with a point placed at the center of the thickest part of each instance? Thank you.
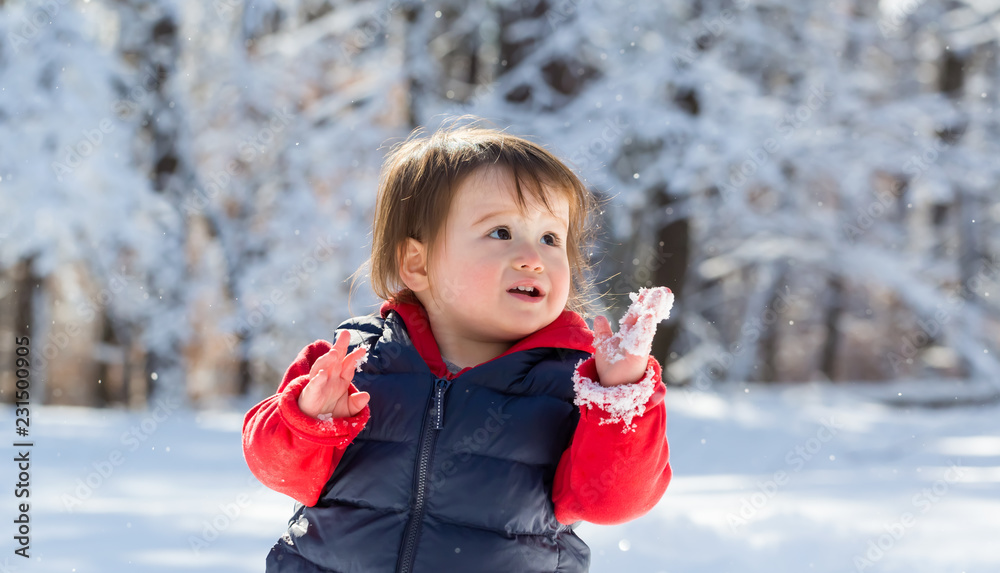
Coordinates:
(290, 451)
(614, 472)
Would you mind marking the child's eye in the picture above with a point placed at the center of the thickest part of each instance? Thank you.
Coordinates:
(500, 233)
(550, 240)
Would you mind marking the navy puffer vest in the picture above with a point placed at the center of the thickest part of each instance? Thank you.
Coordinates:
(448, 475)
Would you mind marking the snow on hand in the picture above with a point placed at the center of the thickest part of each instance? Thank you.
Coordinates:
(637, 327)
(635, 336)
(620, 403)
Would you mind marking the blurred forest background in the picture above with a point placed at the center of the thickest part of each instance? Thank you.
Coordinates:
(186, 187)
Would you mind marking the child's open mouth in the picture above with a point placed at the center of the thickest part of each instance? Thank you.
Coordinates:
(525, 292)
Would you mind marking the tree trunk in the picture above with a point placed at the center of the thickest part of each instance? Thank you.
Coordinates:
(674, 248)
(25, 291)
(413, 50)
(102, 386)
(831, 321)
(172, 175)
(26, 287)
(759, 303)
(769, 369)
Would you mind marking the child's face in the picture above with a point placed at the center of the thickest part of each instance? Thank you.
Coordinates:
(487, 249)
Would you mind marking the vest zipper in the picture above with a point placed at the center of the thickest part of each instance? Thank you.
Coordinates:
(428, 438)
(440, 387)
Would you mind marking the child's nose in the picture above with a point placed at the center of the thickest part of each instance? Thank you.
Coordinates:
(529, 259)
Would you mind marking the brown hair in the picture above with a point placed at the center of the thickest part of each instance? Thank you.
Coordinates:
(418, 181)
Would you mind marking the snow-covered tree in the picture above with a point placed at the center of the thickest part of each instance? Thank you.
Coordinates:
(815, 181)
(82, 219)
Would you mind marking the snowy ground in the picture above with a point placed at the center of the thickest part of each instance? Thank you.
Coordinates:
(793, 479)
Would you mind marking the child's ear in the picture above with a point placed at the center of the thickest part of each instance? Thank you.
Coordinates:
(413, 265)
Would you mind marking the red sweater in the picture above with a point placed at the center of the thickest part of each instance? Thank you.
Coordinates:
(606, 476)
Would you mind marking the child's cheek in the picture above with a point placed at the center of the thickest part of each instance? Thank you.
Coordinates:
(472, 271)
(468, 283)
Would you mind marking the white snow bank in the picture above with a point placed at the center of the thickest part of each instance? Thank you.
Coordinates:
(778, 479)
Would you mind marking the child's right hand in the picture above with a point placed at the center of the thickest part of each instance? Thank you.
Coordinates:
(330, 381)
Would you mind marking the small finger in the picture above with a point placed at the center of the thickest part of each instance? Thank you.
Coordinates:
(319, 384)
(343, 341)
(351, 361)
(322, 364)
(630, 318)
(602, 329)
(635, 309)
(357, 402)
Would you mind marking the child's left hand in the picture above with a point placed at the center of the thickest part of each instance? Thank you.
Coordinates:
(622, 358)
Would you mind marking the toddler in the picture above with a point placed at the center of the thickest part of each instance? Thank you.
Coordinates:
(475, 419)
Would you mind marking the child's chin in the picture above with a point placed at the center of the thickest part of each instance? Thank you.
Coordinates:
(523, 328)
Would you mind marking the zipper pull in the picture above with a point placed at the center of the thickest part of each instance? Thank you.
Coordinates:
(440, 387)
